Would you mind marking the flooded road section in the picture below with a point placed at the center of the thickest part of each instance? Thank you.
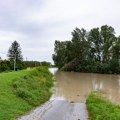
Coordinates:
(77, 86)
(71, 90)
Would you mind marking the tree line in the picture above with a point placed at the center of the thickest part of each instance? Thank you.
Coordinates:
(97, 50)
(15, 60)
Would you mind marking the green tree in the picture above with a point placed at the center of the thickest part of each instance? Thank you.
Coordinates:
(95, 41)
(116, 49)
(60, 55)
(14, 53)
(107, 38)
(95, 51)
(4, 65)
(80, 46)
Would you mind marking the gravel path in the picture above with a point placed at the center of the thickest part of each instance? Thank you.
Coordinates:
(58, 110)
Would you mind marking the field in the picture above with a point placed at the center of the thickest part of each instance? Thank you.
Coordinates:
(23, 90)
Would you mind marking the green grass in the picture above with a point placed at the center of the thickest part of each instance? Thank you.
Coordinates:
(102, 109)
(23, 90)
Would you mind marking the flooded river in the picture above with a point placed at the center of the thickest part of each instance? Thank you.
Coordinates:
(76, 87)
(70, 93)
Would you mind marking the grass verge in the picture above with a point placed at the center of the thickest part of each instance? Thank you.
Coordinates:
(102, 109)
(23, 90)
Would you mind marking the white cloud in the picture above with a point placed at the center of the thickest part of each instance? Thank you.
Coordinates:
(36, 24)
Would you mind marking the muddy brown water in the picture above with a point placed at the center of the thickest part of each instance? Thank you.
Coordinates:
(70, 93)
(75, 87)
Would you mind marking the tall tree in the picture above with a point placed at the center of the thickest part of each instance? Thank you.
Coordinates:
(59, 56)
(80, 44)
(95, 51)
(108, 39)
(14, 53)
(94, 39)
(116, 50)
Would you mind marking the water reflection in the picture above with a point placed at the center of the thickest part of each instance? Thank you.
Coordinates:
(53, 70)
(77, 86)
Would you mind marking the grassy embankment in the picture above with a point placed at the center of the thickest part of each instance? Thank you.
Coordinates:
(23, 90)
(102, 109)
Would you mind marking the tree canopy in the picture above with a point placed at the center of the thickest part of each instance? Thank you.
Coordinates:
(15, 52)
(97, 50)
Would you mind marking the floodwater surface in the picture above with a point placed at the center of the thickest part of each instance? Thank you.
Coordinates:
(75, 87)
(70, 93)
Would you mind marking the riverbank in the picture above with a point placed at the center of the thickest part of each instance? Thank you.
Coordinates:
(23, 90)
(102, 109)
(70, 93)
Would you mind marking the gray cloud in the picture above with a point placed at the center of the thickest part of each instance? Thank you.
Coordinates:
(36, 24)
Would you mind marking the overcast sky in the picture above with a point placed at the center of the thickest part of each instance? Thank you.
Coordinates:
(36, 24)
